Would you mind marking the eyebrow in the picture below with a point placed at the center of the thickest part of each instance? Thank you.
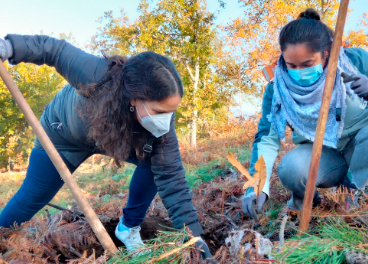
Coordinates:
(161, 111)
(308, 61)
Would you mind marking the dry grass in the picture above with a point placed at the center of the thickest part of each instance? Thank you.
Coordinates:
(233, 136)
(52, 237)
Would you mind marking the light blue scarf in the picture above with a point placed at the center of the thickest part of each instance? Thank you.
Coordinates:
(299, 106)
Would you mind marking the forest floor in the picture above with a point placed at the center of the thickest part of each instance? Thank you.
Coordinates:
(338, 234)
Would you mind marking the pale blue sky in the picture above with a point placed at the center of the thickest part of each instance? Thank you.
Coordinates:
(79, 17)
(75, 16)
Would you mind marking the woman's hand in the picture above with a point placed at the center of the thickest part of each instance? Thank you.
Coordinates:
(205, 251)
(360, 84)
(6, 50)
(249, 205)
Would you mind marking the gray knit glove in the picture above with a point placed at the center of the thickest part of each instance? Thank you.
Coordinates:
(6, 49)
(250, 205)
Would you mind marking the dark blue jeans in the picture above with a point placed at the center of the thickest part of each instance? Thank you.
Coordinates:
(42, 182)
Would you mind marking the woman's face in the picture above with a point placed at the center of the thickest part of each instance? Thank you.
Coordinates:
(168, 105)
(298, 57)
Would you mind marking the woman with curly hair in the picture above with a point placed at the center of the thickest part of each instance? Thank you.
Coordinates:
(120, 107)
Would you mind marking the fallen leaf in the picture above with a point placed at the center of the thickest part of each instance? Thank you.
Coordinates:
(259, 178)
(252, 183)
(261, 175)
(238, 166)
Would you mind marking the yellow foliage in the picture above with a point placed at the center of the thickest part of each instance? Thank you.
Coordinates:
(38, 84)
(359, 38)
(256, 31)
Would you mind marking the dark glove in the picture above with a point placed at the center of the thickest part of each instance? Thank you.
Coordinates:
(359, 85)
(249, 203)
(6, 50)
(202, 246)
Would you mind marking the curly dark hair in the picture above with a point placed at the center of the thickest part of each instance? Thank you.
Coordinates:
(147, 76)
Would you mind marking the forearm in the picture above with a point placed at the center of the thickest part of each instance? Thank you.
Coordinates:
(268, 149)
(75, 65)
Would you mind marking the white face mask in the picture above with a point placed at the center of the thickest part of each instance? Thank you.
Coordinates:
(158, 125)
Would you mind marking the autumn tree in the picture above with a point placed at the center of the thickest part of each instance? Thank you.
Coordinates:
(359, 37)
(254, 34)
(38, 85)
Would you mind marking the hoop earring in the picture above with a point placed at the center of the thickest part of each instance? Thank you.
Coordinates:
(131, 109)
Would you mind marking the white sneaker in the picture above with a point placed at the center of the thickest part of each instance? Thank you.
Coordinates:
(130, 237)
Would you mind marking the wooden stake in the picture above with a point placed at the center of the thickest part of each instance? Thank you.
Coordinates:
(323, 113)
(58, 162)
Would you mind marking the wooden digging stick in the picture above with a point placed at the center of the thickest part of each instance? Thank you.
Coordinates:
(58, 162)
(323, 113)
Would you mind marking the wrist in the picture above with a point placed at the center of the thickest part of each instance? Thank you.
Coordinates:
(249, 193)
(9, 48)
(196, 229)
(249, 190)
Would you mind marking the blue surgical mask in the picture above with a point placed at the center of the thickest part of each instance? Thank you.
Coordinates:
(307, 76)
(158, 125)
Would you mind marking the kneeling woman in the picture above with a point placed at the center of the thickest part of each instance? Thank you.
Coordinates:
(294, 99)
(120, 107)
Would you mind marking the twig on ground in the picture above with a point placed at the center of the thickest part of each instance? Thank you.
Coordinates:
(235, 198)
(289, 252)
(223, 202)
(65, 209)
(48, 216)
(230, 220)
(72, 250)
(328, 216)
(361, 219)
(187, 244)
(266, 261)
(282, 230)
(235, 205)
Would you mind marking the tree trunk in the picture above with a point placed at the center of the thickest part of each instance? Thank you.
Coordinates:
(193, 123)
(240, 98)
(241, 108)
(193, 129)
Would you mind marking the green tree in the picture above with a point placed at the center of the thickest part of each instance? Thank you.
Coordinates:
(38, 85)
(185, 31)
